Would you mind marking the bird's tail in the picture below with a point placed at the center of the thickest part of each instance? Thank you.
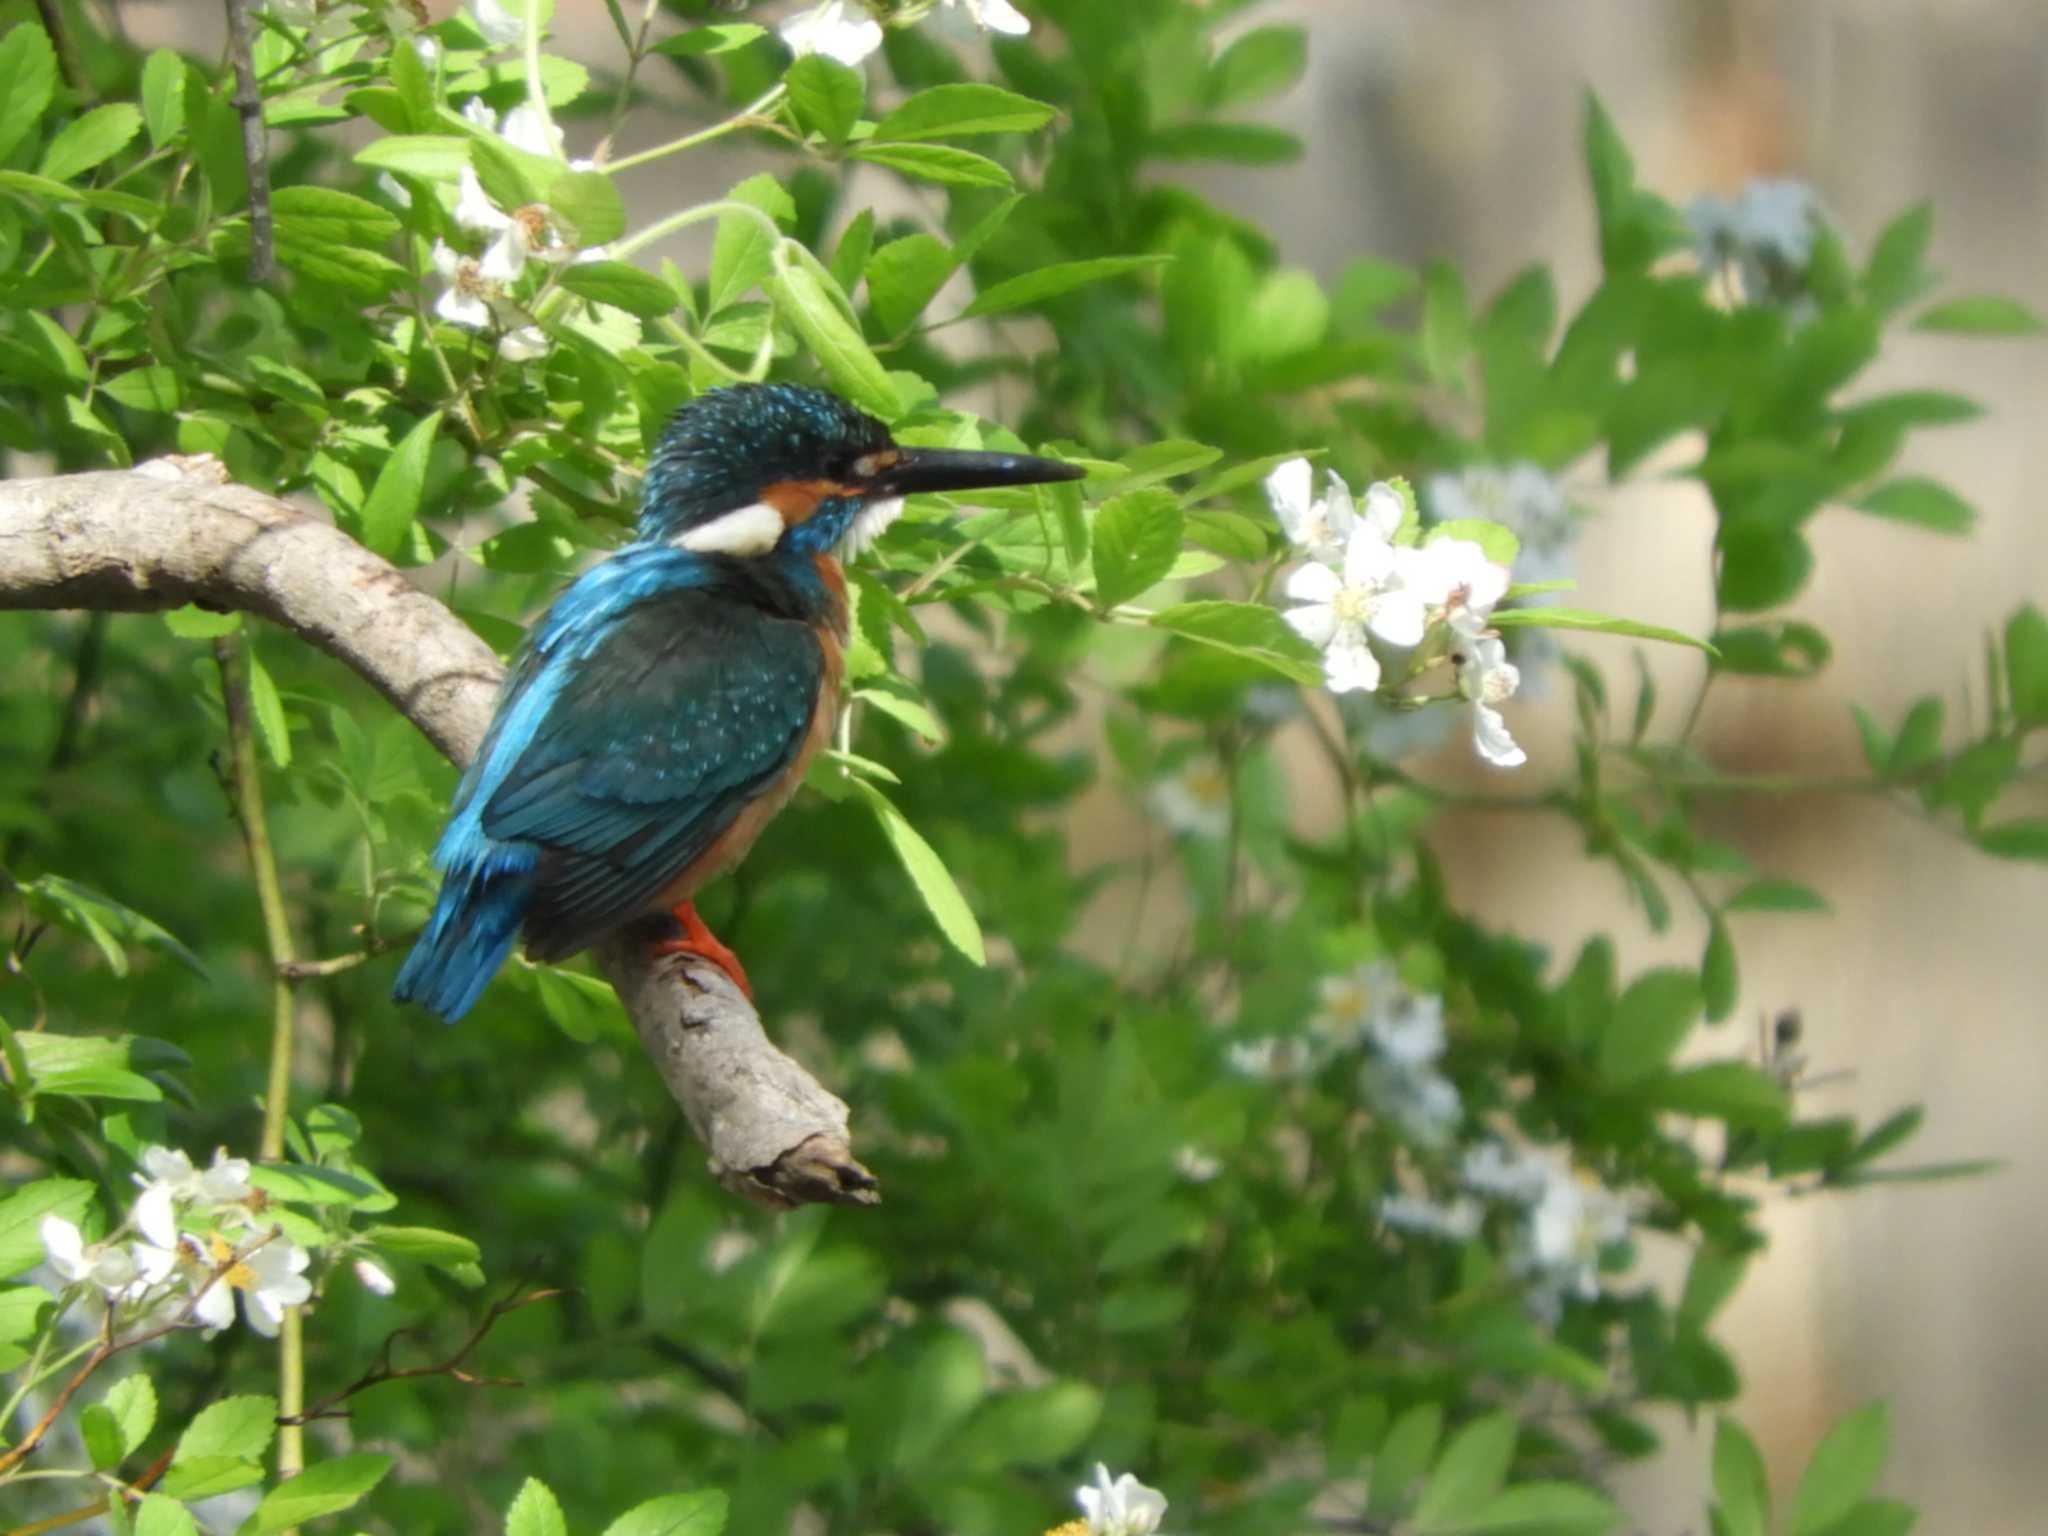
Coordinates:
(475, 924)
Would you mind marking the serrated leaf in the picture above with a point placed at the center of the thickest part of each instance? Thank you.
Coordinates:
(622, 285)
(394, 500)
(235, 1427)
(742, 254)
(928, 873)
(902, 278)
(161, 1515)
(1843, 1468)
(911, 712)
(203, 1477)
(93, 139)
(132, 1403)
(940, 163)
(1136, 541)
(21, 1219)
(268, 707)
(1925, 503)
(1983, 316)
(589, 203)
(535, 1512)
(801, 297)
(1048, 282)
(324, 1488)
(1251, 630)
(959, 111)
(826, 96)
(429, 156)
(163, 97)
(29, 66)
(675, 1514)
(1595, 623)
(102, 1436)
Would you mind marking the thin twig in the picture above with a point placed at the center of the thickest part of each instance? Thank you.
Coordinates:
(255, 144)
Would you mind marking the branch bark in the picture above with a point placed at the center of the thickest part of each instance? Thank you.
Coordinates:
(173, 532)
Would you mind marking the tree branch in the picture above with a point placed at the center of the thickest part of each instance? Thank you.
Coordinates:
(172, 532)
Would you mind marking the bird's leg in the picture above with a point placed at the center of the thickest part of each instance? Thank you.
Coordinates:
(697, 939)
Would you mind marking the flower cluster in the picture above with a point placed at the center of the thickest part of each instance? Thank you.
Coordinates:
(1563, 1220)
(1766, 232)
(199, 1242)
(1365, 580)
(846, 31)
(1125, 1507)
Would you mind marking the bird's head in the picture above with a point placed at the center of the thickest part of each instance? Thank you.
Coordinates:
(757, 468)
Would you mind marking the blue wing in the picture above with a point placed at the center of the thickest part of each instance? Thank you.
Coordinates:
(645, 714)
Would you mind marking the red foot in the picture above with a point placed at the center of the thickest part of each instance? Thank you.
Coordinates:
(699, 940)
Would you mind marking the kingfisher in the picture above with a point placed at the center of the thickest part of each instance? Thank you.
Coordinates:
(666, 706)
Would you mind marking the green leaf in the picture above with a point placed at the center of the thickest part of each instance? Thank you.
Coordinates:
(1402, 1457)
(588, 202)
(1742, 1492)
(511, 177)
(1843, 1468)
(1446, 324)
(961, 111)
(1137, 540)
(22, 1310)
(202, 1477)
(1250, 630)
(444, 1250)
(1468, 1474)
(908, 711)
(268, 708)
(675, 1514)
(535, 1511)
(902, 278)
(1720, 1090)
(928, 873)
(721, 38)
(1784, 648)
(163, 97)
(1653, 1016)
(29, 66)
(326, 235)
(940, 163)
(621, 284)
(21, 1219)
(310, 1184)
(1897, 272)
(94, 138)
(1985, 316)
(131, 1403)
(394, 500)
(237, 1427)
(1918, 744)
(152, 387)
(1499, 542)
(1720, 984)
(1597, 623)
(429, 156)
(161, 1515)
(1926, 503)
(742, 255)
(2022, 839)
(102, 1436)
(801, 297)
(1776, 896)
(194, 623)
(1239, 143)
(322, 1489)
(1047, 282)
(107, 922)
(84, 1066)
(1545, 1509)
(1712, 1278)
(1263, 62)
(2026, 665)
(856, 245)
(1035, 1427)
(826, 96)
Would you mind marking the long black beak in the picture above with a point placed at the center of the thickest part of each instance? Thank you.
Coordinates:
(956, 469)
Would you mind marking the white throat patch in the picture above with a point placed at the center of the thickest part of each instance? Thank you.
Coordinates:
(869, 524)
(751, 530)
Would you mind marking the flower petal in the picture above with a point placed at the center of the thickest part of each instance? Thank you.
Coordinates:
(1369, 560)
(1384, 509)
(154, 1218)
(1349, 665)
(1314, 583)
(1398, 617)
(1317, 623)
(1490, 737)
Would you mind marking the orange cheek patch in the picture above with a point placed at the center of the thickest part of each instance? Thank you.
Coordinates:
(796, 500)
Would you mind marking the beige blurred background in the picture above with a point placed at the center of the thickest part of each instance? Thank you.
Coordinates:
(1450, 127)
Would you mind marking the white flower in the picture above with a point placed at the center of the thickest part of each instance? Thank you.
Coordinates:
(173, 1181)
(1523, 499)
(500, 26)
(1370, 595)
(105, 1265)
(1566, 1229)
(1407, 1031)
(1486, 677)
(1347, 1003)
(1421, 1100)
(526, 128)
(523, 345)
(478, 114)
(832, 31)
(1195, 1165)
(1271, 1057)
(1123, 1508)
(995, 16)
(1455, 576)
(1196, 801)
(394, 189)
(1455, 1222)
(374, 1277)
(463, 301)
(1323, 527)
(1504, 1173)
(271, 1277)
(474, 211)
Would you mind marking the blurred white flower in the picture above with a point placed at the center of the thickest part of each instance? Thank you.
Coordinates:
(523, 344)
(1271, 1057)
(478, 114)
(374, 1277)
(172, 1181)
(501, 26)
(1521, 498)
(427, 49)
(1570, 1223)
(1767, 232)
(1421, 1100)
(1125, 1507)
(107, 1265)
(1195, 1165)
(995, 15)
(1487, 678)
(1504, 1173)
(463, 301)
(1371, 595)
(1346, 1003)
(837, 29)
(1406, 1030)
(524, 127)
(1195, 802)
(1455, 1222)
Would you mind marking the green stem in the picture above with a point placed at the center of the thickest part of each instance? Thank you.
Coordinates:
(246, 787)
(741, 119)
(661, 229)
